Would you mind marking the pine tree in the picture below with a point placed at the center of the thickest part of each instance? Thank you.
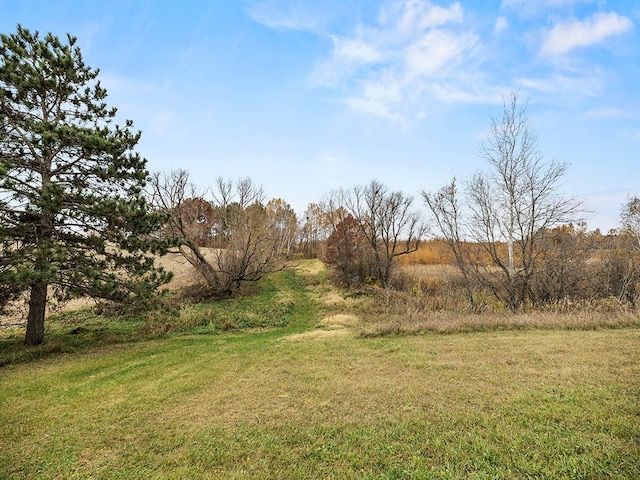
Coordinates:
(73, 219)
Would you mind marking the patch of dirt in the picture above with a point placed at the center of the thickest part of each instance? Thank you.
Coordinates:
(317, 334)
(332, 326)
(340, 320)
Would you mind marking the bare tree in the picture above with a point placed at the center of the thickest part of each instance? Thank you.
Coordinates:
(171, 193)
(244, 239)
(630, 217)
(387, 222)
(283, 218)
(514, 205)
(622, 262)
(314, 231)
(517, 201)
(446, 210)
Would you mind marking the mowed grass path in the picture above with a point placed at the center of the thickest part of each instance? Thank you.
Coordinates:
(278, 403)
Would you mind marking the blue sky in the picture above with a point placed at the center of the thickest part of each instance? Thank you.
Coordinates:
(310, 95)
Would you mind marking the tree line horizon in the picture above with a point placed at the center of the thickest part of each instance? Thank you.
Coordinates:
(80, 214)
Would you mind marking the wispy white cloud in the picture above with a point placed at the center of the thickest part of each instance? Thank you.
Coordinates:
(289, 15)
(613, 113)
(387, 68)
(355, 51)
(565, 85)
(411, 17)
(468, 89)
(529, 8)
(500, 25)
(433, 51)
(564, 37)
(379, 97)
(416, 53)
(349, 54)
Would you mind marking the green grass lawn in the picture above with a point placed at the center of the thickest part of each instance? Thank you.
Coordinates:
(290, 400)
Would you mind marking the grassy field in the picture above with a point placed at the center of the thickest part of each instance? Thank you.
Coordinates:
(284, 384)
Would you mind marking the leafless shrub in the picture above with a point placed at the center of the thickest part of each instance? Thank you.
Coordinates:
(433, 300)
(247, 238)
(371, 227)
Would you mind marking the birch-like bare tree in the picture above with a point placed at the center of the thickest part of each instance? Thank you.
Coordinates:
(508, 208)
(630, 217)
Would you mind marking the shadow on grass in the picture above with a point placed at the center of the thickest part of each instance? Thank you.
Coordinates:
(71, 332)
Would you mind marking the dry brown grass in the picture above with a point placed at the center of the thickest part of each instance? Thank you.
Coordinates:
(451, 322)
(317, 334)
(442, 273)
(433, 279)
(184, 274)
(16, 314)
(340, 320)
(433, 300)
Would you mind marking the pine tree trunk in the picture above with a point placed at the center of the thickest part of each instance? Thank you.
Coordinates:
(35, 317)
